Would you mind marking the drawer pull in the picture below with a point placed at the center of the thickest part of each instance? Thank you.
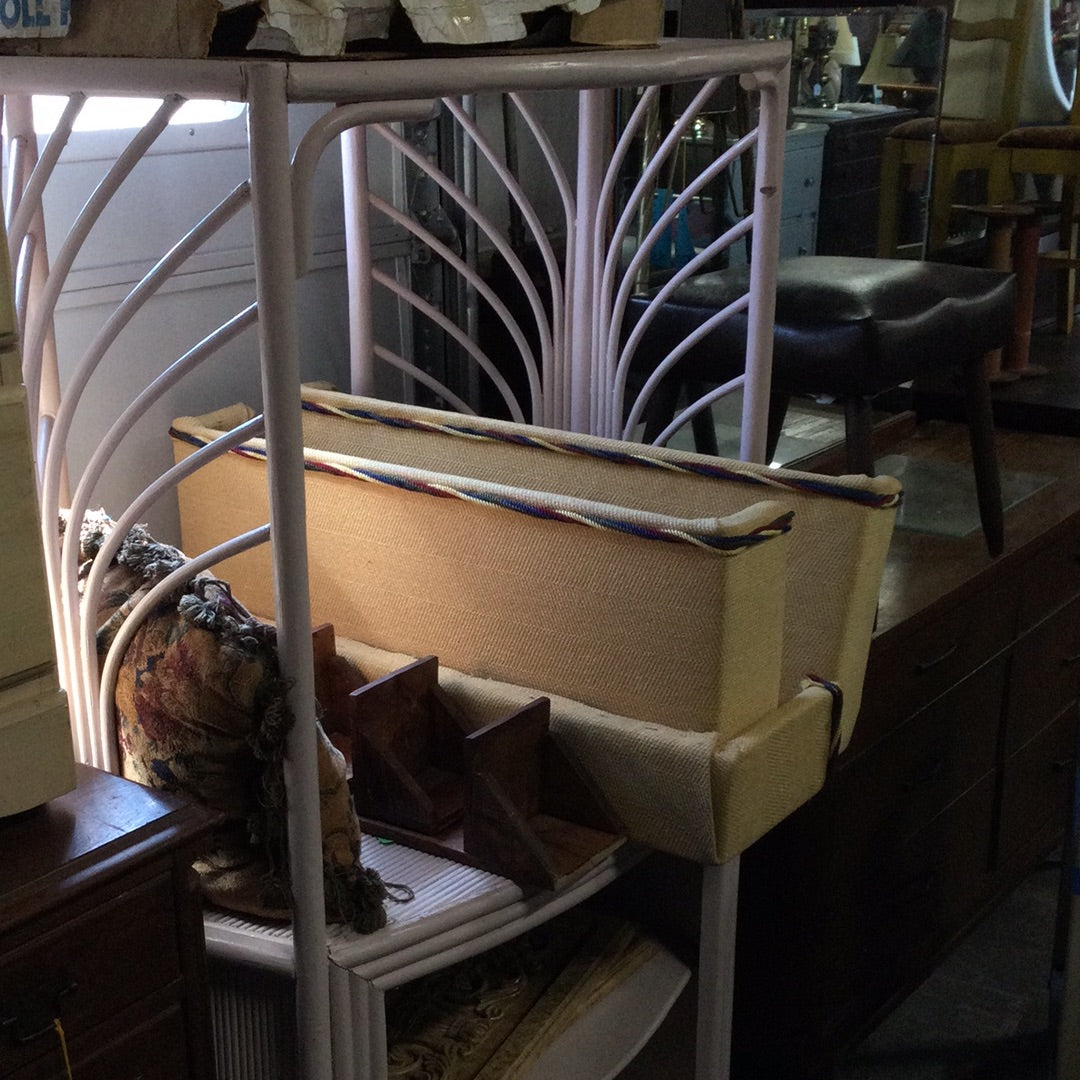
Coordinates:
(35, 1016)
(927, 665)
(1064, 765)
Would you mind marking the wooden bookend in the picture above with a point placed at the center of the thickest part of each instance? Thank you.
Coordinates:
(335, 680)
(529, 814)
(408, 757)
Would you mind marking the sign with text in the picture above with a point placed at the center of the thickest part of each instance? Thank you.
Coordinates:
(34, 18)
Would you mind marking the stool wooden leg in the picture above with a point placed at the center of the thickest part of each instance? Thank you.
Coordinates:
(1025, 257)
(702, 424)
(942, 182)
(984, 455)
(859, 435)
(1066, 284)
(999, 232)
(778, 406)
(660, 408)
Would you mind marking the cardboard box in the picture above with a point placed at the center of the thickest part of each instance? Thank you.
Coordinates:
(162, 29)
(35, 18)
(477, 22)
(620, 23)
(37, 762)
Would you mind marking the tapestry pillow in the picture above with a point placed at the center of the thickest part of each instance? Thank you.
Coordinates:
(201, 708)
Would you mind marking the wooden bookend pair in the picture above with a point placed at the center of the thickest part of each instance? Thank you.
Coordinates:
(335, 680)
(504, 798)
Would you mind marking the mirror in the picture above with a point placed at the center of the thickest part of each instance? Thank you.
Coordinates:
(912, 100)
(857, 74)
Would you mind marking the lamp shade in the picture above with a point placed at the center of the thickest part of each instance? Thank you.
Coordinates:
(880, 70)
(846, 50)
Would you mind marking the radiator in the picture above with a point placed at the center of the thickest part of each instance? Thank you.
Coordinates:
(254, 1020)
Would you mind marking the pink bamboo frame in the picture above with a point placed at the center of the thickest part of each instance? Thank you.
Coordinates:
(575, 381)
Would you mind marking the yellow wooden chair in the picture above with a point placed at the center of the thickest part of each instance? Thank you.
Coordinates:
(981, 94)
(1053, 150)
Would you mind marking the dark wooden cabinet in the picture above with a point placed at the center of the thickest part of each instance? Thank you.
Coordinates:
(851, 182)
(957, 782)
(101, 929)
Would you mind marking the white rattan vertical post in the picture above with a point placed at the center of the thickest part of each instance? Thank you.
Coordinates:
(582, 402)
(716, 969)
(19, 114)
(275, 270)
(358, 258)
(772, 123)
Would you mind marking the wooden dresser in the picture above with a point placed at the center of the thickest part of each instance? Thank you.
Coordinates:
(101, 927)
(851, 182)
(956, 783)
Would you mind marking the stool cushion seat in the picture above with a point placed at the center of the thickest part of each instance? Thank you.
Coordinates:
(953, 131)
(1042, 137)
(844, 326)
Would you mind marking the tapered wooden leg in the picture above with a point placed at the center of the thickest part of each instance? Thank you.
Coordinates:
(942, 182)
(1025, 257)
(859, 434)
(703, 425)
(998, 257)
(778, 407)
(984, 455)
(660, 409)
(1067, 236)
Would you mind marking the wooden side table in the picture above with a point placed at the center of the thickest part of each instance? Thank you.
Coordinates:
(1013, 231)
(101, 936)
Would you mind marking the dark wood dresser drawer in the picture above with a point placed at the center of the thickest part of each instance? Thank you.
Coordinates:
(905, 673)
(909, 777)
(1045, 675)
(911, 899)
(1036, 787)
(101, 929)
(855, 174)
(944, 871)
(86, 969)
(139, 1047)
(1050, 578)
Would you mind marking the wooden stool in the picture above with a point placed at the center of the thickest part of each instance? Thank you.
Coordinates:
(848, 328)
(1013, 231)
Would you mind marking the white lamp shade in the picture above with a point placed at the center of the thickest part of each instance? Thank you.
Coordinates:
(846, 50)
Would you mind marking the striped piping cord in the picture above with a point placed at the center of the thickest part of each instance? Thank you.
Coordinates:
(721, 545)
(870, 499)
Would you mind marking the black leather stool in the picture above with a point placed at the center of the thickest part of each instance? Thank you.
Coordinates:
(850, 329)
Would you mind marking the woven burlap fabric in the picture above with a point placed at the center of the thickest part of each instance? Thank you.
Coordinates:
(666, 632)
(676, 675)
(690, 794)
(836, 550)
(770, 770)
(696, 795)
(835, 557)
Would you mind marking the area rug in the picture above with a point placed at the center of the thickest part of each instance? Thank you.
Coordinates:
(491, 1017)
